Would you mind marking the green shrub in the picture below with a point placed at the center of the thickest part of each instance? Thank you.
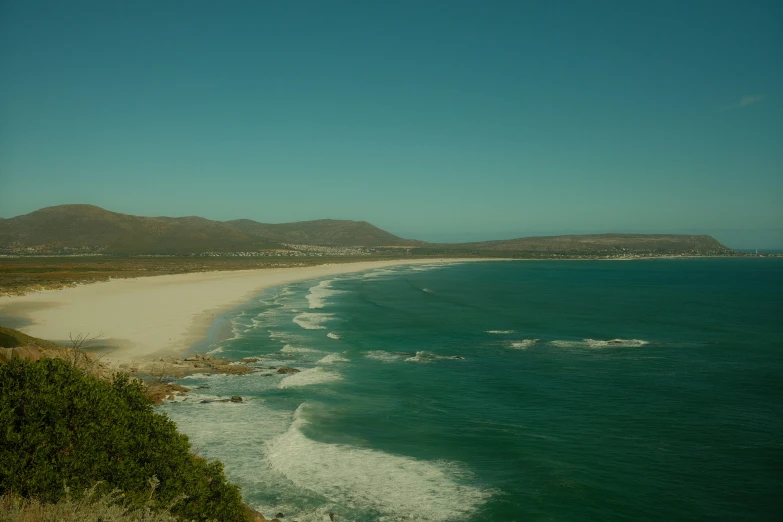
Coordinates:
(60, 426)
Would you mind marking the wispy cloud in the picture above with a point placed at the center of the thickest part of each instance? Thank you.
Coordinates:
(749, 99)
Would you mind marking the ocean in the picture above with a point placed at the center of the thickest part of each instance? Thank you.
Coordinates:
(505, 391)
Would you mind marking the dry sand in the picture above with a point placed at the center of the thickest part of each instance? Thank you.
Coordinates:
(149, 317)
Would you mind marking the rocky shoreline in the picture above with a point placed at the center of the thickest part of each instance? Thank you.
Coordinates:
(158, 374)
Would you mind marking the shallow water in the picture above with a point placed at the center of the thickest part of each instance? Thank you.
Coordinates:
(507, 391)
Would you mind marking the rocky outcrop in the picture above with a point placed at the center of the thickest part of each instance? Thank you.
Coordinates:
(31, 353)
(284, 370)
(175, 367)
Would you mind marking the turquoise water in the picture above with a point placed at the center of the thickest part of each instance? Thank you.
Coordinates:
(508, 391)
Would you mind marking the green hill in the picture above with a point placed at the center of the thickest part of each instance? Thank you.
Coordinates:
(323, 232)
(92, 229)
(75, 229)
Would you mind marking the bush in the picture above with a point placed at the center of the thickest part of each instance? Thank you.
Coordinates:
(60, 426)
(90, 508)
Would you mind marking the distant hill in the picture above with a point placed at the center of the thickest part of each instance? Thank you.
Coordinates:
(90, 229)
(604, 243)
(87, 228)
(325, 232)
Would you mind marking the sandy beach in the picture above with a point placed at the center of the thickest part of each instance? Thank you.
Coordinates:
(149, 317)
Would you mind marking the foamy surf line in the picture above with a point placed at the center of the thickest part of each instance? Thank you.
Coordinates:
(523, 344)
(319, 293)
(365, 480)
(312, 321)
(309, 377)
(595, 343)
(170, 312)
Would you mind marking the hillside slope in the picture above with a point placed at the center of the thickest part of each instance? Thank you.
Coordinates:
(324, 232)
(93, 229)
(605, 243)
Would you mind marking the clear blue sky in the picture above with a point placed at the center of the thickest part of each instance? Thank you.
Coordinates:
(440, 120)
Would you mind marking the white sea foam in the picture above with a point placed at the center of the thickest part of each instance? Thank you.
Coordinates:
(234, 435)
(239, 326)
(384, 356)
(332, 335)
(500, 332)
(622, 343)
(279, 336)
(373, 481)
(593, 343)
(289, 348)
(375, 274)
(332, 358)
(523, 344)
(425, 357)
(320, 292)
(312, 321)
(567, 344)
(309, 377)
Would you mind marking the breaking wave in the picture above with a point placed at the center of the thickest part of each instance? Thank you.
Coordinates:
(425, 357)
(308, 378)
(523, 344)
(593, 343)
(332, 358)
(384, 356)
(374, 481)
(312, 321)
(289, 348)
(320, 292)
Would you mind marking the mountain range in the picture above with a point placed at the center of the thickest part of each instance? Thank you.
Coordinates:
(91, 229)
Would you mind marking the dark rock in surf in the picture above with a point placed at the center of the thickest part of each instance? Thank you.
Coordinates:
(286, 370)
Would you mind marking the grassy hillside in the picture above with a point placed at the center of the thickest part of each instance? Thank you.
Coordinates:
(323, 232)
(92, 229)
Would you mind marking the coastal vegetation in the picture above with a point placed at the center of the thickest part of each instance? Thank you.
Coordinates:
(66, 433)
(20, 275)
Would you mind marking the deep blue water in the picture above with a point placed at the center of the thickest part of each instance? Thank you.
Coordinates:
(507, 391)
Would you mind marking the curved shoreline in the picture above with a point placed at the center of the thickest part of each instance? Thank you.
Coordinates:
(147, 317)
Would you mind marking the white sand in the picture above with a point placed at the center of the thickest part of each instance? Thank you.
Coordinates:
(149, 317)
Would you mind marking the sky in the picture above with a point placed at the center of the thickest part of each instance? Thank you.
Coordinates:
(435, 120)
